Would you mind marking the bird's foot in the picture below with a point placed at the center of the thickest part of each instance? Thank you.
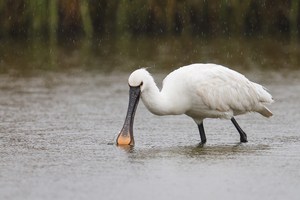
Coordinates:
(244, 139)
(203, 142)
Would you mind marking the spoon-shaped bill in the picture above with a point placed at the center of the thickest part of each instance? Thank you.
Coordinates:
(125, 136)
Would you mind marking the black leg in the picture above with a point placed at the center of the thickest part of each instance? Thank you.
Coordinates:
(202, 133)
(241, 132)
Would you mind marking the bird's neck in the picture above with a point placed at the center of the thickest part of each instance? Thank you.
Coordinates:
(155, 100)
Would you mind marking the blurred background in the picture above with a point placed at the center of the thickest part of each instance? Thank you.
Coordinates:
(122, 35)
(64, 66)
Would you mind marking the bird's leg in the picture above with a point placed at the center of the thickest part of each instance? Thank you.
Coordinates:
(241, 132)
(202, 133)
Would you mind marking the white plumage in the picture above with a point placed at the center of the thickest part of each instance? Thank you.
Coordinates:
(202, 91)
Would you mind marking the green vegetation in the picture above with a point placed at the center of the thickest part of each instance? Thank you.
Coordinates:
(62, 19)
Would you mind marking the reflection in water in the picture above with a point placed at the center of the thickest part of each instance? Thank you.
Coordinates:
(162, 53)
(213, 152)
(226, 150)
(126, 148)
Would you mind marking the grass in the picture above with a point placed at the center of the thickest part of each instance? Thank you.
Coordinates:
(54, 19)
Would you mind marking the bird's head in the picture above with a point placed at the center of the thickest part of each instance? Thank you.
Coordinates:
(139, 78)
(136, 81)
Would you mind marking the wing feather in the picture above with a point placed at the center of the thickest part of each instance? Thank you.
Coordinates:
(226, 90)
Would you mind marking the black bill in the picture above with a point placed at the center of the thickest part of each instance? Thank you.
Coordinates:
(125, 136)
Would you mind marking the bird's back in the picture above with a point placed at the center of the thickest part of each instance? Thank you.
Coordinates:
(215, 91)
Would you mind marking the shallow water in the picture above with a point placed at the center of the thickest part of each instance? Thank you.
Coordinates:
(57, 132)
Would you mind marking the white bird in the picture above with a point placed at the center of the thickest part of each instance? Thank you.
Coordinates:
(199, 91)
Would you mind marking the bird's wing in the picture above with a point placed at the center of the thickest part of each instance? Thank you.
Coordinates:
(227, 91)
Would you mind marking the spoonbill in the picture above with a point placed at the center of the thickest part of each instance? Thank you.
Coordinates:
(199, 91)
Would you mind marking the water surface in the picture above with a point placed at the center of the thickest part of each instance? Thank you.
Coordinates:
(57, 133)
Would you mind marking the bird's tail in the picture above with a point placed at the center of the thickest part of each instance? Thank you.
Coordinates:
(264, 97)
(265, 111)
